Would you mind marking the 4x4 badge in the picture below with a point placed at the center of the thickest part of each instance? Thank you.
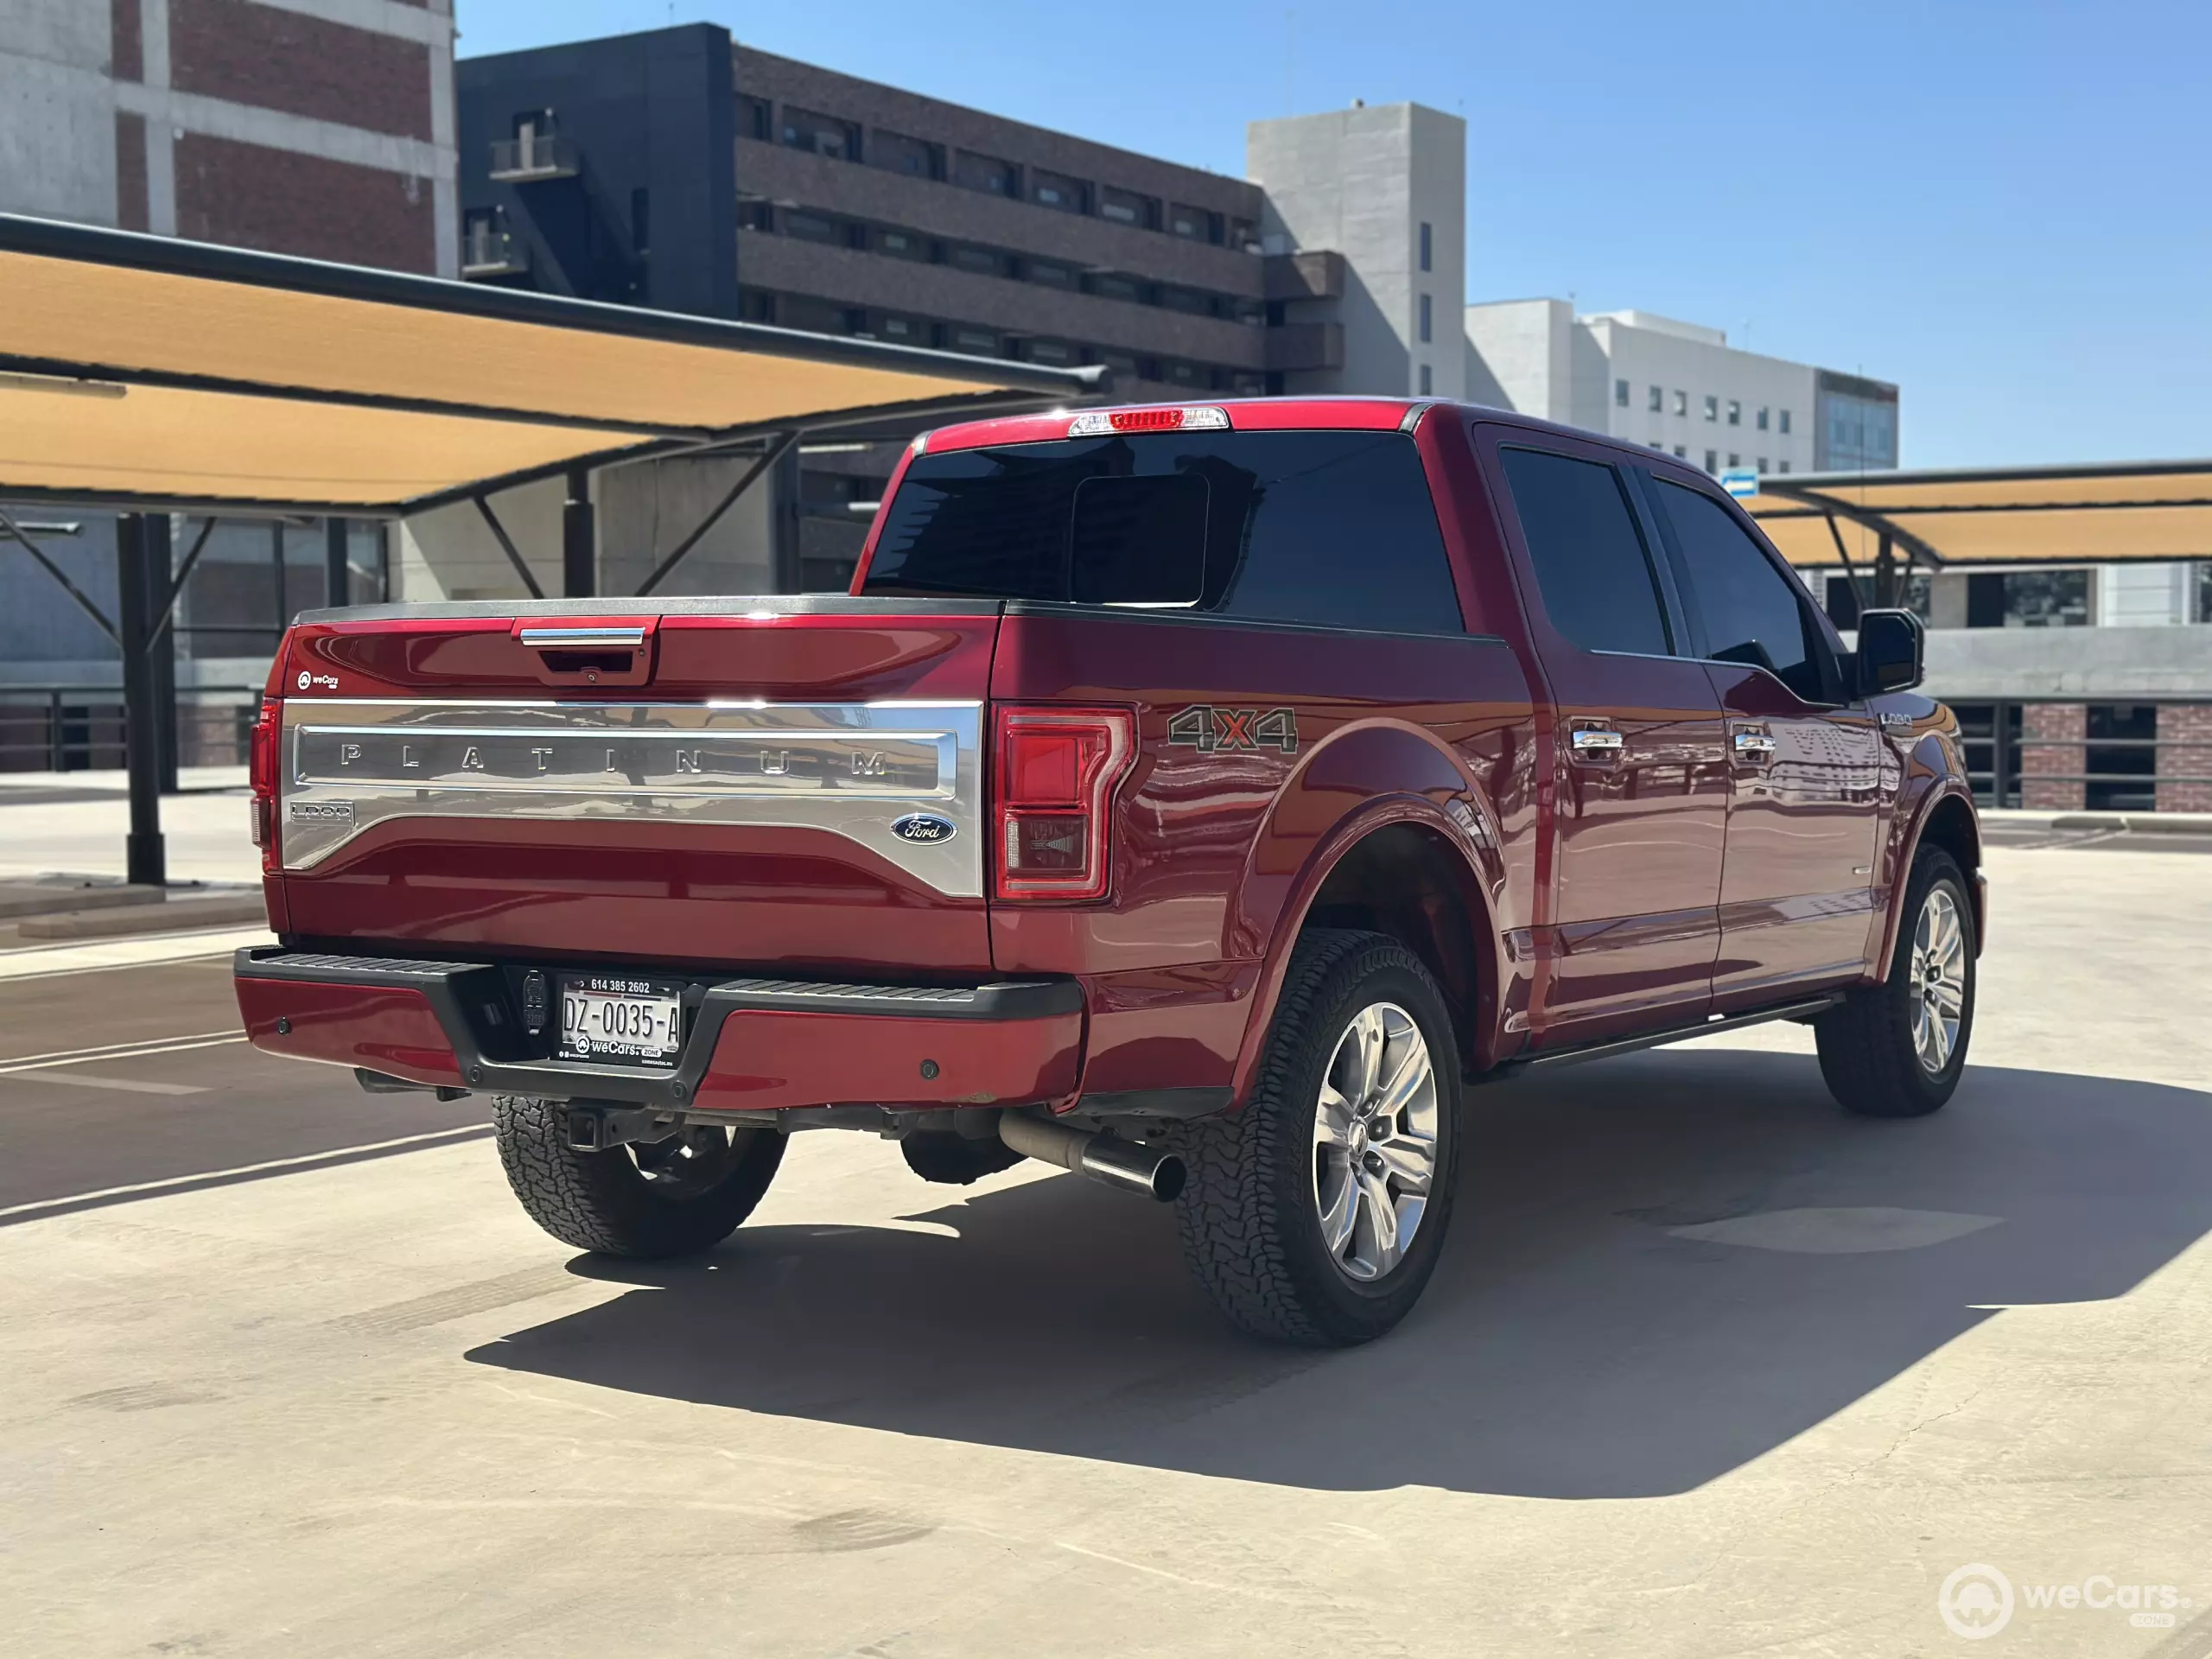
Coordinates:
(1207, 730)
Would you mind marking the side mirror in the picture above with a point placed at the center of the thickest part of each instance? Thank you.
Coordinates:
(1890, 650)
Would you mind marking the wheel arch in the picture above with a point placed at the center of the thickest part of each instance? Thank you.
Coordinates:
(1402, 866)
(1944, 817)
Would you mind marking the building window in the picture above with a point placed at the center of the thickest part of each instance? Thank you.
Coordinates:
(1058, 191)
(1244, 236)
(1762, 463)
(1735, 413)
(1711, 407)
(1427, 381)
(1681, 401)
(1426, 334)
(1050, 351)
(1762, 418)
(982, 261)
(753, 214)
(823, 134)
(1426, 239)
(1784, 468)
(1127, 207)
(1785, 428)
(1109, 285)
(911, 330)
(1051, 273)
(811, 227)
(980, 342)
(902, 244)
(753, 119)
(915, 157)
(1620, 394)
(1188, 301)
(1681, 454)
(1185, 374)
(1735, 460)
(1657, 400)
(1192, 223)
(1659, 444)
(984, 173)
(816, 316)
(1712, 461)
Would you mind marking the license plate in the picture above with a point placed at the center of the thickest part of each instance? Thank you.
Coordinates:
(635, 1022)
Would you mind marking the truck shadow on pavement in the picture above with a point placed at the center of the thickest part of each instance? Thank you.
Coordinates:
(1575, 1343)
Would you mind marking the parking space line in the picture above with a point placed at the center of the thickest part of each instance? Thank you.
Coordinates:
(129, 1085)
(121, 1051)
(212, 1176)
(47, 962)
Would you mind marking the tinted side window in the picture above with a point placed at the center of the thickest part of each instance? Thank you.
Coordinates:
(1327, 529)
(1598, 586)
(1342, 534)
(1750, 611)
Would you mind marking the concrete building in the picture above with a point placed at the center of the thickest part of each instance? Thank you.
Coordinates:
(1678, 387)
(316, 127)
(678, 169)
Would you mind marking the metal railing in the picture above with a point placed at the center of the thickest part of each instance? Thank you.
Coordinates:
(1993, 735)
(80, 727)
(532, 155)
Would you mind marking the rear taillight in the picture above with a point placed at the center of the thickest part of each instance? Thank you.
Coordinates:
(261, 774)
(1052, 792)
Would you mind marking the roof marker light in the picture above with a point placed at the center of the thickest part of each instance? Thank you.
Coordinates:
(1097, 423)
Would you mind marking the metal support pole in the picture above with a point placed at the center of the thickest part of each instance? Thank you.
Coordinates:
(161, 645)
(145, 858)
(337, 575)
(784, 523)
(579, 538)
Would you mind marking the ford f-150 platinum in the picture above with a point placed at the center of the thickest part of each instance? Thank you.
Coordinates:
(1199, 798)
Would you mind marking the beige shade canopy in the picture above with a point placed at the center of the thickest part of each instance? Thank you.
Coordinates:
(2052, 515)
(137, 368)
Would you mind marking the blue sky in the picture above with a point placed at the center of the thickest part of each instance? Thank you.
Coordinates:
(2005, 207)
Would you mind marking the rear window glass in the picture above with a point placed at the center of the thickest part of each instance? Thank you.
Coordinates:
(1328, 529)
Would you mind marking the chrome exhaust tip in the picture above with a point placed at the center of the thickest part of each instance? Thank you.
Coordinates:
(1104, 1158)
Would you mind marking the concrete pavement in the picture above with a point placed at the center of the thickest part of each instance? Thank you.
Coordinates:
(1709, 1368)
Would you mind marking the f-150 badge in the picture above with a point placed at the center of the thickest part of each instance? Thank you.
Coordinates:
(1209, 730)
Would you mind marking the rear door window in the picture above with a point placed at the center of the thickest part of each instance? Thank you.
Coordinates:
(1599, 586)
(1323, 529)
(1750, 611)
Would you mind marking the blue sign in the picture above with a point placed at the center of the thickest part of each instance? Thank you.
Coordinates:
(1740, 481)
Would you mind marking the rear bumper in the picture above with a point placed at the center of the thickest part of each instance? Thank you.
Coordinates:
(753, 1045)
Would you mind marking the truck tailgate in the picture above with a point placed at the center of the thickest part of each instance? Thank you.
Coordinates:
(773, 781)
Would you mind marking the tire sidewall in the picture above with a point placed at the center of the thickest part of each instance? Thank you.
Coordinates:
(1357, 1308)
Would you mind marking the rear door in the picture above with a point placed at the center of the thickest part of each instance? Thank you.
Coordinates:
(1806, 769)
(1638, 770)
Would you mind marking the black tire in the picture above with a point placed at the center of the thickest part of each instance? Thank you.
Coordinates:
(1249, 1216)
(1869, 1055)
(671, 1197)
(954, 1160)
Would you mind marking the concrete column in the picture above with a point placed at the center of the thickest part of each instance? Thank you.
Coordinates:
(2051, 747)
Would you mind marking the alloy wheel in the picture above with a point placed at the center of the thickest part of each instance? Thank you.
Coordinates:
(1375, 1141)
(1939, 980)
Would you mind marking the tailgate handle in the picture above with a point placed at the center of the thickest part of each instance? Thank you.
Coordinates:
(583, 638)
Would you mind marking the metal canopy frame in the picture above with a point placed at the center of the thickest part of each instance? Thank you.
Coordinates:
(1828, 496)
(146, 607)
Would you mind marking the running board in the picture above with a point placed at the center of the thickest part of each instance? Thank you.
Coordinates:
(1658, 1038)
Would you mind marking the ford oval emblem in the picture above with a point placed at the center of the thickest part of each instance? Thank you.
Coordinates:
(924, 829)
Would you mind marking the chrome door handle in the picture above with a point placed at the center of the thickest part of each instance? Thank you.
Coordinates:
(1754, 746)
(1592, 744)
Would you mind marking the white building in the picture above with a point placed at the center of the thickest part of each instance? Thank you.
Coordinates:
(1677, 387)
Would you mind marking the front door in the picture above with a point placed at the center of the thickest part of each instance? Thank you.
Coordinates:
(1797, 890)
(1639, 767)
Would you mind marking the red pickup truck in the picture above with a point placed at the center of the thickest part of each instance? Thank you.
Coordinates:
(1199, 798)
